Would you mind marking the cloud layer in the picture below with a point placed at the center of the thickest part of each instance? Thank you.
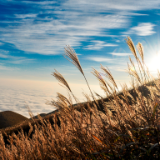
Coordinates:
(97, 45)
(48, 26)
(18, 94)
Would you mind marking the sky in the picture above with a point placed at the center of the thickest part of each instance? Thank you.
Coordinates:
(33, 35)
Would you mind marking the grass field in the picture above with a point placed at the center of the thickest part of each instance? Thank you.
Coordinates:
(123, 125)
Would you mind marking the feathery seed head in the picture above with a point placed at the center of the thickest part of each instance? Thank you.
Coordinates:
(131, 46)
(109, 75)
(61, 79)
(98, 75)
(72, 57)
(140, 50)
(64, 99)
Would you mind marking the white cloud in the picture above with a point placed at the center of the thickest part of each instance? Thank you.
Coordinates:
(115, 5)
(121, 54)
(100, 59)
(5, 68)
(119, 68)
(14, 59)
(43, 3)
(97, 45)
(143, 29)
(70, 27)
(75, 22)
(134, 14)
(118, 63)
(21, 61)
(25, 15)
(3, 55)
(51, 37)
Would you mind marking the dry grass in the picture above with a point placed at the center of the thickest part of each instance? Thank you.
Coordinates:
(122, 126)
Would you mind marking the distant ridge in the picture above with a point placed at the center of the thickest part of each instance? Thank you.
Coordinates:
(9, 118)
(44, 114)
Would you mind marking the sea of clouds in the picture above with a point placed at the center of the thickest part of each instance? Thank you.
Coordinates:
(16, 95)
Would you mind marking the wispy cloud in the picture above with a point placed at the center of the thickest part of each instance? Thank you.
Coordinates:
(116, 5)
(143, 29)
(133, 14)
(121, 54)
(118, 68)
(14, 59)
(20, 60)
(114, 64)
(42, 3)
(46, 31)
(3, 54)
(6, 68)
(100, 59)
(51, 37)
(50, 25)
(25, 15)
(97, 45)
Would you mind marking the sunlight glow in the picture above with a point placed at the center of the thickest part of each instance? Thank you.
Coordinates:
(154, 63)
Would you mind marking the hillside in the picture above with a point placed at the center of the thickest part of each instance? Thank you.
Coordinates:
(9, 118)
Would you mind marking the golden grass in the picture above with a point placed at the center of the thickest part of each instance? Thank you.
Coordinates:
(122, 126)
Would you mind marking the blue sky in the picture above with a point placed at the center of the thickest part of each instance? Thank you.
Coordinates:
(33, 35)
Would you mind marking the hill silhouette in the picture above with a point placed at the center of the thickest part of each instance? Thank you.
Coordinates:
(9, 118)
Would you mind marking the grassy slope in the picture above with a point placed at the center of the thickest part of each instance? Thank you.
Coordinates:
(9, 118)
(14, 127)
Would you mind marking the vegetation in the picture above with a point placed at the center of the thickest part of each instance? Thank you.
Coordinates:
(122, 126)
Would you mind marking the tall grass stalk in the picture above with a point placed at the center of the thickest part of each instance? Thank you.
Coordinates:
(71, 56)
